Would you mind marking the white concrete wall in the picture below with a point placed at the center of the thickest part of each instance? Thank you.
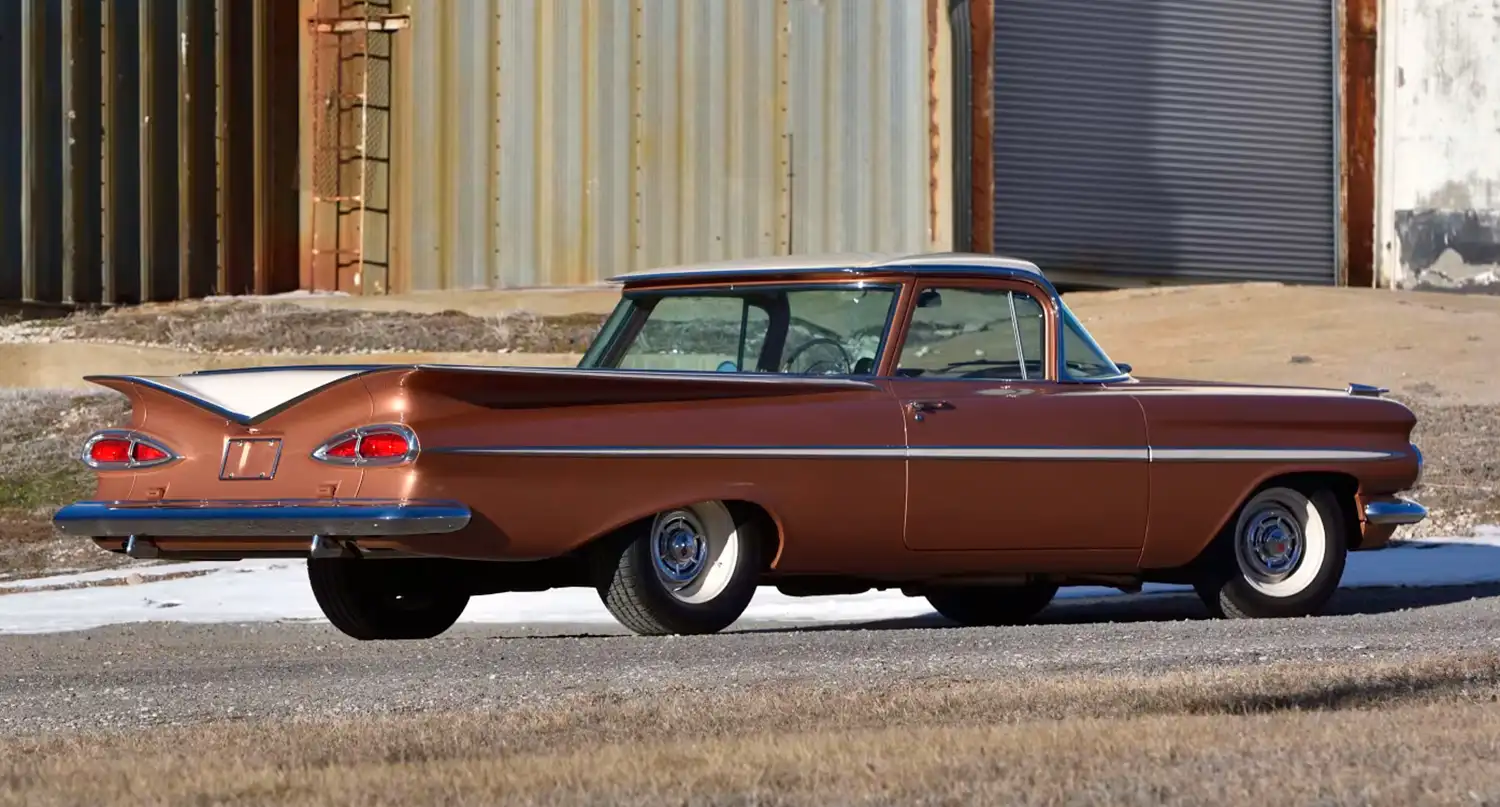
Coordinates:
(1440, 139)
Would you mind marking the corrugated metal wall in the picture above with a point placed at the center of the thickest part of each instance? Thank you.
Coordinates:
(1185, 139)
(538, 142)
(148, 149)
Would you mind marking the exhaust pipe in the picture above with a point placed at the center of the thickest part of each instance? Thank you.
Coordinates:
(141, 548)
(327, 548)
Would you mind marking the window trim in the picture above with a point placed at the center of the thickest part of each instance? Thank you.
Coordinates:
(635, 317)
(1050, 357)
(1015, 332)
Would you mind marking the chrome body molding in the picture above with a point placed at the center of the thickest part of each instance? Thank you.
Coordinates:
(1394, 510)
(1270, 455)
(261, 519)
(1099, 453)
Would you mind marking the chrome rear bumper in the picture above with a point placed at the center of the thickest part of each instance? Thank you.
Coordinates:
(1394, 511)
(292, 518)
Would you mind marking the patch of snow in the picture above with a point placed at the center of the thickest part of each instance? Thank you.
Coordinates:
(277, 591)
(145, 571)
(286, 295)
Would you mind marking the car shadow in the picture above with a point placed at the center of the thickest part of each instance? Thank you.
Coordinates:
(1122, 609)
(1174, 606)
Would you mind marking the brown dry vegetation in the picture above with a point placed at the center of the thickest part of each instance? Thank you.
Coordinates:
(261, 327)
(1417, 733)
(40, 435)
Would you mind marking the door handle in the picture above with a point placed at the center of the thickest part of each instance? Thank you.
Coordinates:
(918, 407)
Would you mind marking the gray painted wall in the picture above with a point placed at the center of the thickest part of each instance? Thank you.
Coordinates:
(1442, 158)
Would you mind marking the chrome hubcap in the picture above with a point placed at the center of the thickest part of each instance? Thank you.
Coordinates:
(1271, 544)
(679, 548)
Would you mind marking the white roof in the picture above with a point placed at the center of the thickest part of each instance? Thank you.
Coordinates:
(834, 261)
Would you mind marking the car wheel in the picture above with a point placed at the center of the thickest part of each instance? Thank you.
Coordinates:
(384, 599)
(692, 570)
(1282, 557)
(992, 605)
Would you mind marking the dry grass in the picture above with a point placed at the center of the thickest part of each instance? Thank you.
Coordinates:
(40, 435)
(1461, 449)
(261, 327)
(1290, 734)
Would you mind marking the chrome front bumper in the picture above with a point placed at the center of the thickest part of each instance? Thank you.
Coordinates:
(294, 518)
(1394, 511)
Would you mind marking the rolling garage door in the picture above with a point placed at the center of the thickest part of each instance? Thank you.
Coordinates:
(1183, 138)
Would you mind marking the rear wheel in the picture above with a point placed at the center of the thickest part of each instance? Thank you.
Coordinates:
(692, 570)
(384, 599)
(1283, 556)
(992, 605)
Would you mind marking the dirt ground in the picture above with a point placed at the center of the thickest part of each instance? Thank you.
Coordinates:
(1249, 735)
(1437, 352)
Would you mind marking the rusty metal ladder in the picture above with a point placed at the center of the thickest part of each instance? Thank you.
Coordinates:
(350, 105)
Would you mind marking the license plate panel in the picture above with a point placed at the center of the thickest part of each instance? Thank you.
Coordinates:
(250, 459)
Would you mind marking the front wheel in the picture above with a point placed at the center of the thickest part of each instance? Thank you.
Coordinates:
(384, 599)
(1283, 557)
(693, 570)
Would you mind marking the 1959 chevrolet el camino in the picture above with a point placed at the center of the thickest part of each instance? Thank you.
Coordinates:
(941, 424)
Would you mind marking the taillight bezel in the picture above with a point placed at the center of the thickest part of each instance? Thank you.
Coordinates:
(135, 438)
(413, 448)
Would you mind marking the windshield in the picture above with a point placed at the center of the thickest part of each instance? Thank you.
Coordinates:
(798, 329)
(1083, 359)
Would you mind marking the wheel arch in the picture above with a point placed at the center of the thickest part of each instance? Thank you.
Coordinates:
(1344, 486)
(768, 526)
(1165, 560)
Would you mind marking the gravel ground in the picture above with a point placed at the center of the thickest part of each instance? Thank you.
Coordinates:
(237, 326)
(151, 675)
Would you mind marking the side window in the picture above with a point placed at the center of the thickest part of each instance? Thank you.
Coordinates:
(1081, 355)
(835, 331)
(699, 333)
(974, 333)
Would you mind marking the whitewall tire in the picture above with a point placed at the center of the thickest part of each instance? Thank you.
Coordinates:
(688, 570)
(1282, 556)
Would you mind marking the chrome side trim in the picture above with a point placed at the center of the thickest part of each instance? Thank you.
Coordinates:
(1394, 511)
(1138, 453)
(748, 378)
(686, 452)
(1269, 455)
(261, 519)
(1023, 453)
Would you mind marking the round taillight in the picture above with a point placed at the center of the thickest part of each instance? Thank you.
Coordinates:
(383, 445)
(110, 450)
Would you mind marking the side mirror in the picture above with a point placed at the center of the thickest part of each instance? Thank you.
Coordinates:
(1124, 368)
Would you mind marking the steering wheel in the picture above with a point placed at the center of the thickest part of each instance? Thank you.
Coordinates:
(839, 367)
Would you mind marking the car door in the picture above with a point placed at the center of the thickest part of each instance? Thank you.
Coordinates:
(1000, 454)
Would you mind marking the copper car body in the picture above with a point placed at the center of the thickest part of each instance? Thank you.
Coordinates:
(868, 476)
